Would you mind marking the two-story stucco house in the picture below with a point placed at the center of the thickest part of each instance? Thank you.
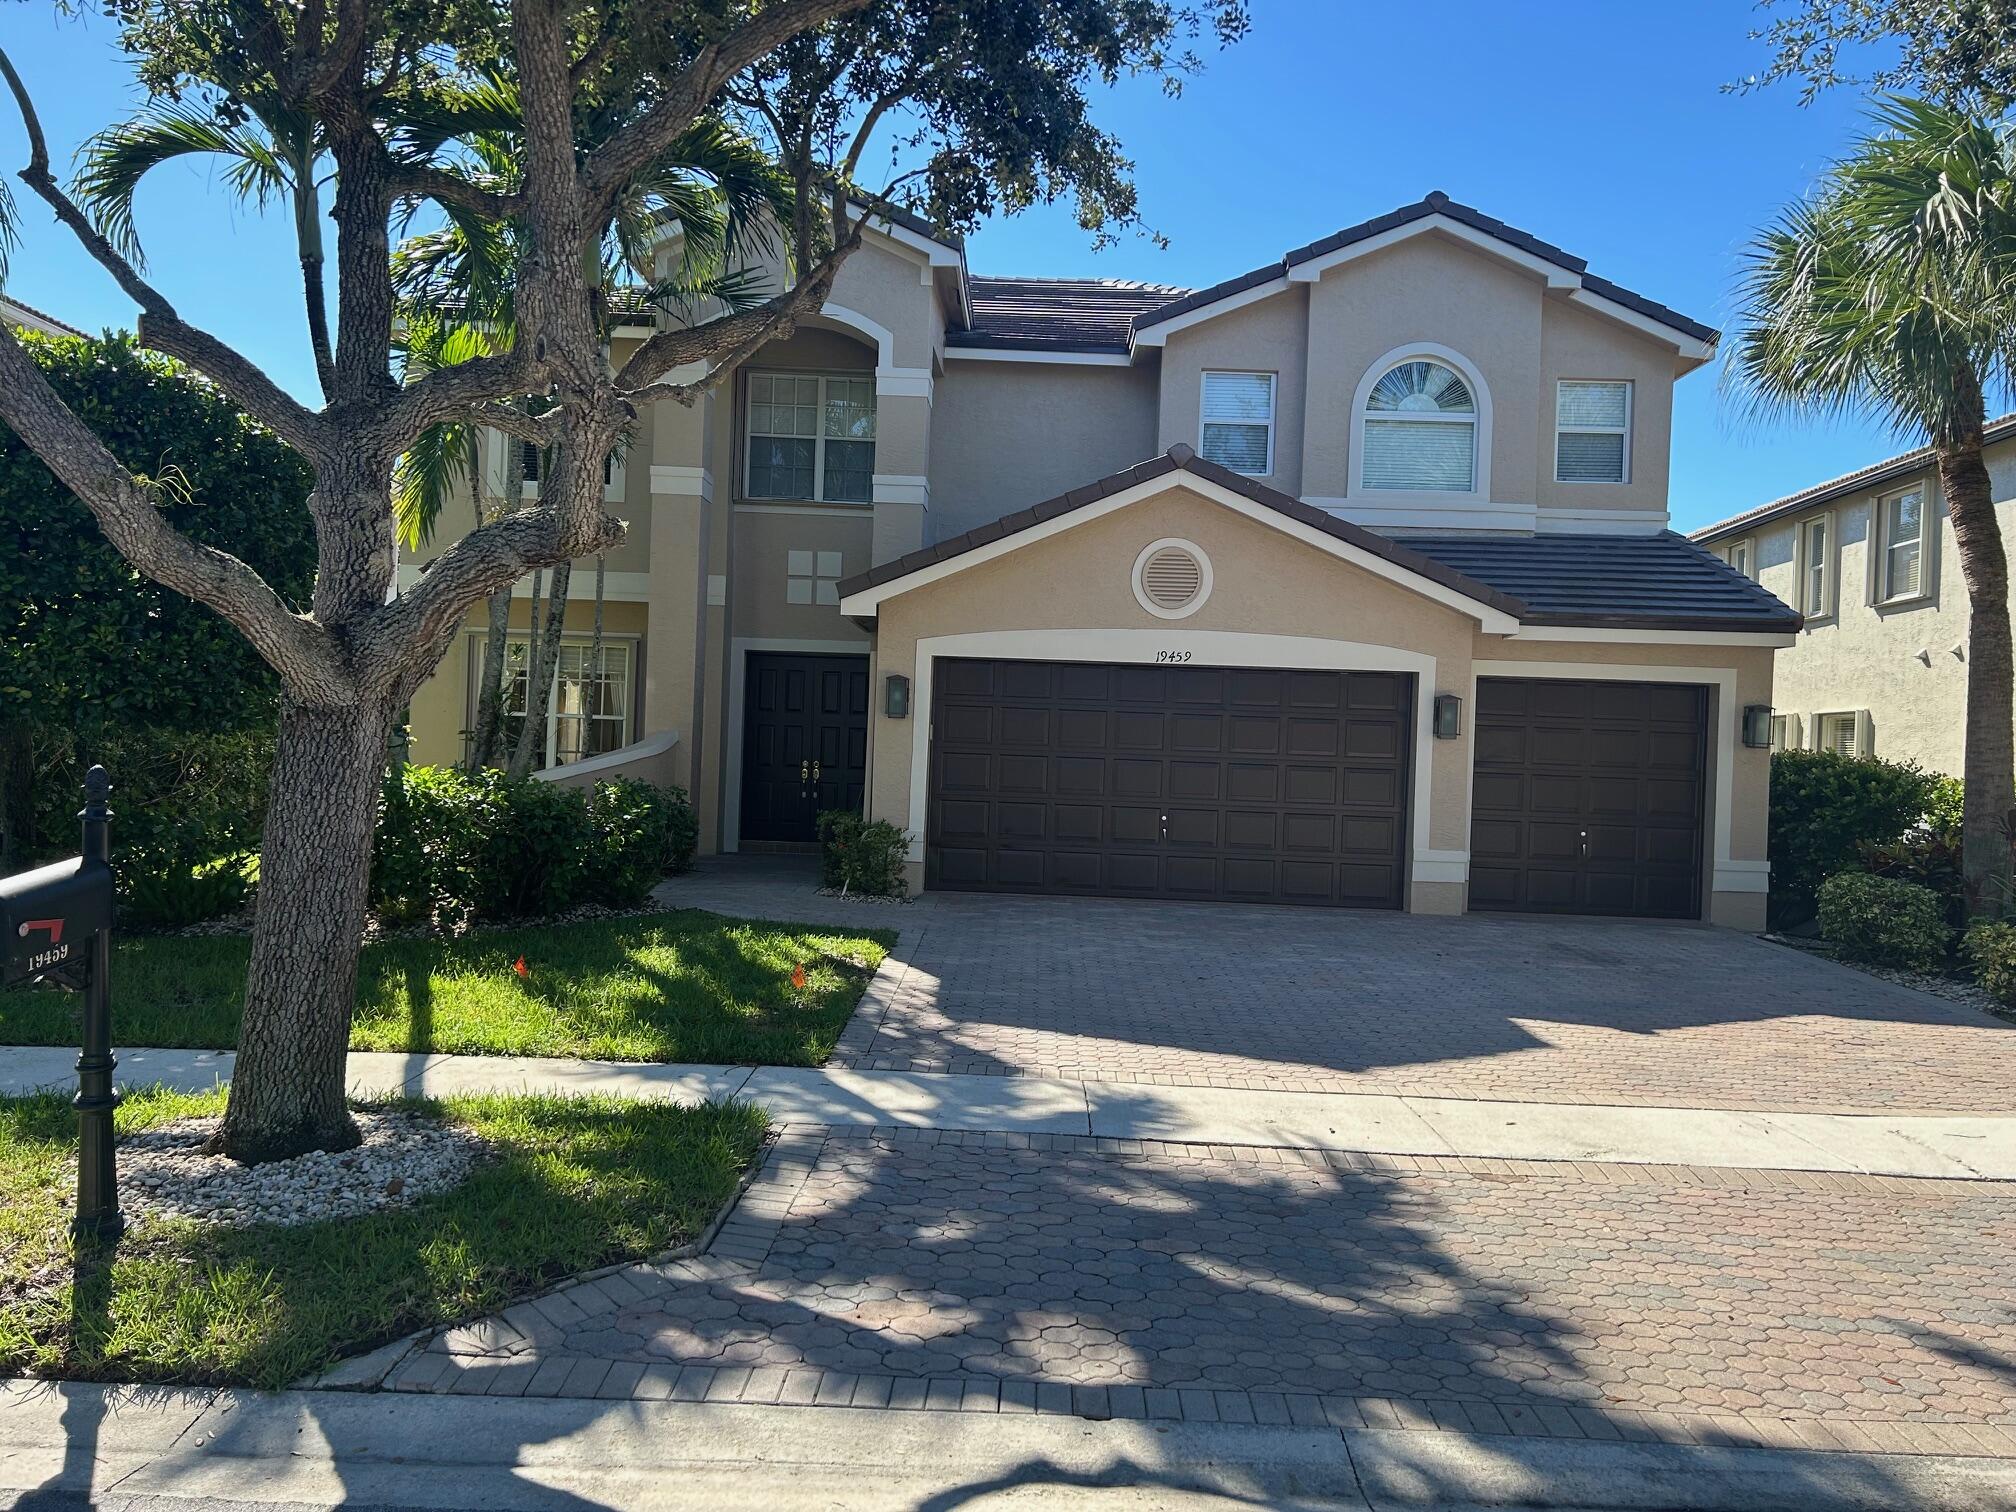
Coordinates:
(1880, 668)
(1346, 581)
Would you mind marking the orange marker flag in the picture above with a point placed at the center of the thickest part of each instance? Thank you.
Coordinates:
(798, 976)
(522, 969)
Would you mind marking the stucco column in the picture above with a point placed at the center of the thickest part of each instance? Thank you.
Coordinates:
(902, 459)
(682, 499)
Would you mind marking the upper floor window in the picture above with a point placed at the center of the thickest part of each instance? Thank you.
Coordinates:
(1816, 566)
(1900, 569)
(811, 436)
(1742, 559)
(1421, 430)
(1238, 422)
(1592, 432)
(532, 465)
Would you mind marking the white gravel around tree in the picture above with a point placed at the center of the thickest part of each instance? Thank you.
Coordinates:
(164, 1172)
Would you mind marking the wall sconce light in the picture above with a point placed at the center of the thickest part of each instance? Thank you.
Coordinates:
(896, 696)
(1757, 726)
(1448, 716)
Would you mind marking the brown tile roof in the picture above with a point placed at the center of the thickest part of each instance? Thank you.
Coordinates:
(1650, 582)
(1057, 314)
(1876, 474)
(1180, 458)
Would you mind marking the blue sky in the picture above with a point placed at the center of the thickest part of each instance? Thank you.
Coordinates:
(1597, 125)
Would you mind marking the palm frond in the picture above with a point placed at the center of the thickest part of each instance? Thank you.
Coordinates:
(427, 476)
(118, 158)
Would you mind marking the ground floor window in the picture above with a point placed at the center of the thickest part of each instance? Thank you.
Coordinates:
(588, 710)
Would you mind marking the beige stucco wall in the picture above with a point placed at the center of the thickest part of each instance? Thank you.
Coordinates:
(1269, 337)
(1006, 435)
(762, 545)
(1577, 344)
(1426, 289)
(1864, 655)
(1263, 583)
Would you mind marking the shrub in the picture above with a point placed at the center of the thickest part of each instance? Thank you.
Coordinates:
(1884, 921)
(1928, 857)
(176, 896)
(1824, 808)
(1943, 808)
(1991, 948)
(452, 848)
(859, 856)
(640, 832)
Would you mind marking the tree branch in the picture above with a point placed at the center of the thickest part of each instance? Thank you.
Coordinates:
(453, 189)
(310, 665)
(160, 327)
(626, 153)
(732, 337)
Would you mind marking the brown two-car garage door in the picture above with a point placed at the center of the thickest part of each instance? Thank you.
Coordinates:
(1256, 785)
(1588, 797)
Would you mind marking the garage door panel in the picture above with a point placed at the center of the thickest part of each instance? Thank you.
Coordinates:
(1588, 797)
(1180, 782)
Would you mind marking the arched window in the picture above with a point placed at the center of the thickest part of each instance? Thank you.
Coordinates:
(1420, 430)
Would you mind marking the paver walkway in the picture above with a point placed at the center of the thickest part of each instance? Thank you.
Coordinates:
(1321, 1000)
(914, 1268)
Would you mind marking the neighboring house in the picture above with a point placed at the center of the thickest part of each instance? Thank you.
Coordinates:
(28, 318)
(1880, 668)
(1389, 616)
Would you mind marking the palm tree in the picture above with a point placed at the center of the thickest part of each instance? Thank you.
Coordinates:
(275, 153)
(1891, 292)
(721, 195)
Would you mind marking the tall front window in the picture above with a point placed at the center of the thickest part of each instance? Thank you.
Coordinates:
(1901, 572)
(1421, 430)
(585, 714)
(811, 436)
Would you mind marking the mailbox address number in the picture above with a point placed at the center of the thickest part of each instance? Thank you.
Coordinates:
(42, 960)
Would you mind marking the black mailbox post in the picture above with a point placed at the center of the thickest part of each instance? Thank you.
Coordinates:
(56, 924)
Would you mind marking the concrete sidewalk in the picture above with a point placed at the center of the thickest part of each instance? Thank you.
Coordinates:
(1958, 1146)
(123, 1446)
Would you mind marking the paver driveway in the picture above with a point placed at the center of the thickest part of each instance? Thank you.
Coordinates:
(910, 1265)
(1324, 1000)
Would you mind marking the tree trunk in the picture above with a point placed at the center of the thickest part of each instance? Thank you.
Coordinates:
(490, 698)
(544, 657)
(314, 870)
(1990, 751)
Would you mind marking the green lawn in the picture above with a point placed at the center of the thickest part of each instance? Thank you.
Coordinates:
(581, 1182)
(686, 986)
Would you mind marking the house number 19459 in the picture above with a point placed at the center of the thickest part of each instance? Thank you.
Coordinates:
(1172, 656)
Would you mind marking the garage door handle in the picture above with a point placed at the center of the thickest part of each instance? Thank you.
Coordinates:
(1165, 826)
(1585, 845)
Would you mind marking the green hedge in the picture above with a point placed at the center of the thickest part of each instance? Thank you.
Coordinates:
(1884, 921)
(1824, 809)
(452, 848)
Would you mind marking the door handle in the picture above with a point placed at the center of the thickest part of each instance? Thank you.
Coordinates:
(1585, 845)
(815, 771)
(804, 771)
(1165, 827)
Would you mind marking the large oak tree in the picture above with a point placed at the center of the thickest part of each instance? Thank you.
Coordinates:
(972, 106)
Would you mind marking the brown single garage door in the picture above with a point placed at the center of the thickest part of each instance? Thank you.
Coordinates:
(1255, 785)
(1588, 797)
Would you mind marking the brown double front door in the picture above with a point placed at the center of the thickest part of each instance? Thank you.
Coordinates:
(804, 742)
(1249, 784)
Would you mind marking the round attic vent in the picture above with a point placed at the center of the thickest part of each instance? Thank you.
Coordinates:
(1172, 579)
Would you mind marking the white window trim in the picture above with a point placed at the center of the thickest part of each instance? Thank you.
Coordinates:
(1480, 393)
(1560, 430)
(633, 643)
(612, 471)
(1864, 737)
(819, 437)
(1829, 589)
(1879, 548)
(1748, 546)
(1273, 400)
